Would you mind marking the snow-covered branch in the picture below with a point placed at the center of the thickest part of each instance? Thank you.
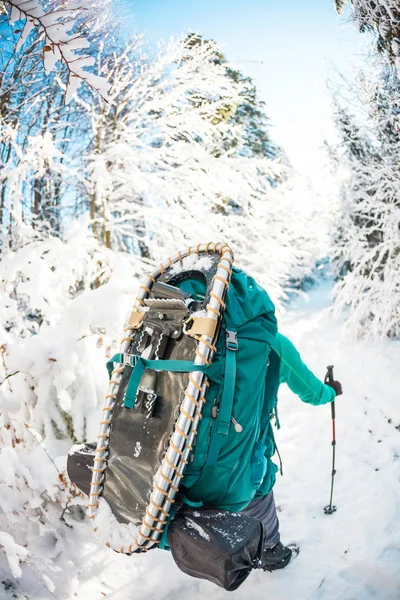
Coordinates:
(58, 23)
(367, 242)
(380, 16)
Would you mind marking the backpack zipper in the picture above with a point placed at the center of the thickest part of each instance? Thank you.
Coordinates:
(237, 426)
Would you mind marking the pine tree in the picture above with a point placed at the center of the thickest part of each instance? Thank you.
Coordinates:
(249, 113)
(367, 242)
(163, 123)
(381, 17)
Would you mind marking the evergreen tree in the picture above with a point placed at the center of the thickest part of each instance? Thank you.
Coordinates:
(367, 242)
(381, 17)
(166, 121)
(249, 113)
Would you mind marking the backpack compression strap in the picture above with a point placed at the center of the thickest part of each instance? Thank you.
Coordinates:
(140, 364)
(226, 405)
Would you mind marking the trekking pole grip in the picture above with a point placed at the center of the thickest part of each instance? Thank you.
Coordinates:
(329, 377)
(329, 374)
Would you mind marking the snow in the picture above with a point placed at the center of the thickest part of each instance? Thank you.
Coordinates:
(232, 537)
(14, 553)
(138, 450)
(353, 554)
(193, 261)
(80, 448)
(118, 535)
(193, 525)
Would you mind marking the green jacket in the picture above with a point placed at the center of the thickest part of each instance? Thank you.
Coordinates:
(298, 376)
(286, 366)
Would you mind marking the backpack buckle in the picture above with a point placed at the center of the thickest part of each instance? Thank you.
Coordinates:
(130, 360)
(231, 340)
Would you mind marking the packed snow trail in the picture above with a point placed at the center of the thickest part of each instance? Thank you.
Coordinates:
(353, 554)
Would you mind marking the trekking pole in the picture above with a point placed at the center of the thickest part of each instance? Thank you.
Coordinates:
(329, 510)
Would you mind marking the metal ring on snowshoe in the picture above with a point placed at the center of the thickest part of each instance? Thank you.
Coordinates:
(180, 446)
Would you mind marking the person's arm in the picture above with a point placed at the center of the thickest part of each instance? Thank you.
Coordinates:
(298, 376)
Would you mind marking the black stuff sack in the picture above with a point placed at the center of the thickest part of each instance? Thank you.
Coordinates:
(80, 463)
(216, 545)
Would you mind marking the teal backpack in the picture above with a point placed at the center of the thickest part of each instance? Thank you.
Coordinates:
(230, 460)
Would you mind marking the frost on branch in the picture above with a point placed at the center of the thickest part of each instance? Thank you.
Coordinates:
(39, 160)
(58, 24)
(381, 16)
(367, 243)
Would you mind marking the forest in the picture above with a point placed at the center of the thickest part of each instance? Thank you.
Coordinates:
(114, 155)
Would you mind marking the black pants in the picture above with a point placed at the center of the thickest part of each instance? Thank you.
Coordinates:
(264, 510)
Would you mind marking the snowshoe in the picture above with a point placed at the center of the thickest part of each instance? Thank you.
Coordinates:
(154, 402)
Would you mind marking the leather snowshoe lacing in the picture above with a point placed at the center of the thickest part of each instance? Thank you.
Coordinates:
(171, 471)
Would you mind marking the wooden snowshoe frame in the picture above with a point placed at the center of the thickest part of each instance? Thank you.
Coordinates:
(171, 471)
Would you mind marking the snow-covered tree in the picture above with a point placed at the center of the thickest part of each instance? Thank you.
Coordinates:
(367, 242)
(56, 330)
(381, 17)
(59, 26)
(30, 183)
(154, 148)
(32, 105)
(249, 113)
(163, 163)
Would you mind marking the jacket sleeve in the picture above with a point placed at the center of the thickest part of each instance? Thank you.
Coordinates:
(298, 376)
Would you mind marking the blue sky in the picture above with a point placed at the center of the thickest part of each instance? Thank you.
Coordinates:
(290, 48)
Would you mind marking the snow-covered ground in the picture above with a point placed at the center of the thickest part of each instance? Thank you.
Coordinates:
(352, 555)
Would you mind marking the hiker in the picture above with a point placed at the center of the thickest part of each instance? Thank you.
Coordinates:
(189, 481)
(285, 366)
